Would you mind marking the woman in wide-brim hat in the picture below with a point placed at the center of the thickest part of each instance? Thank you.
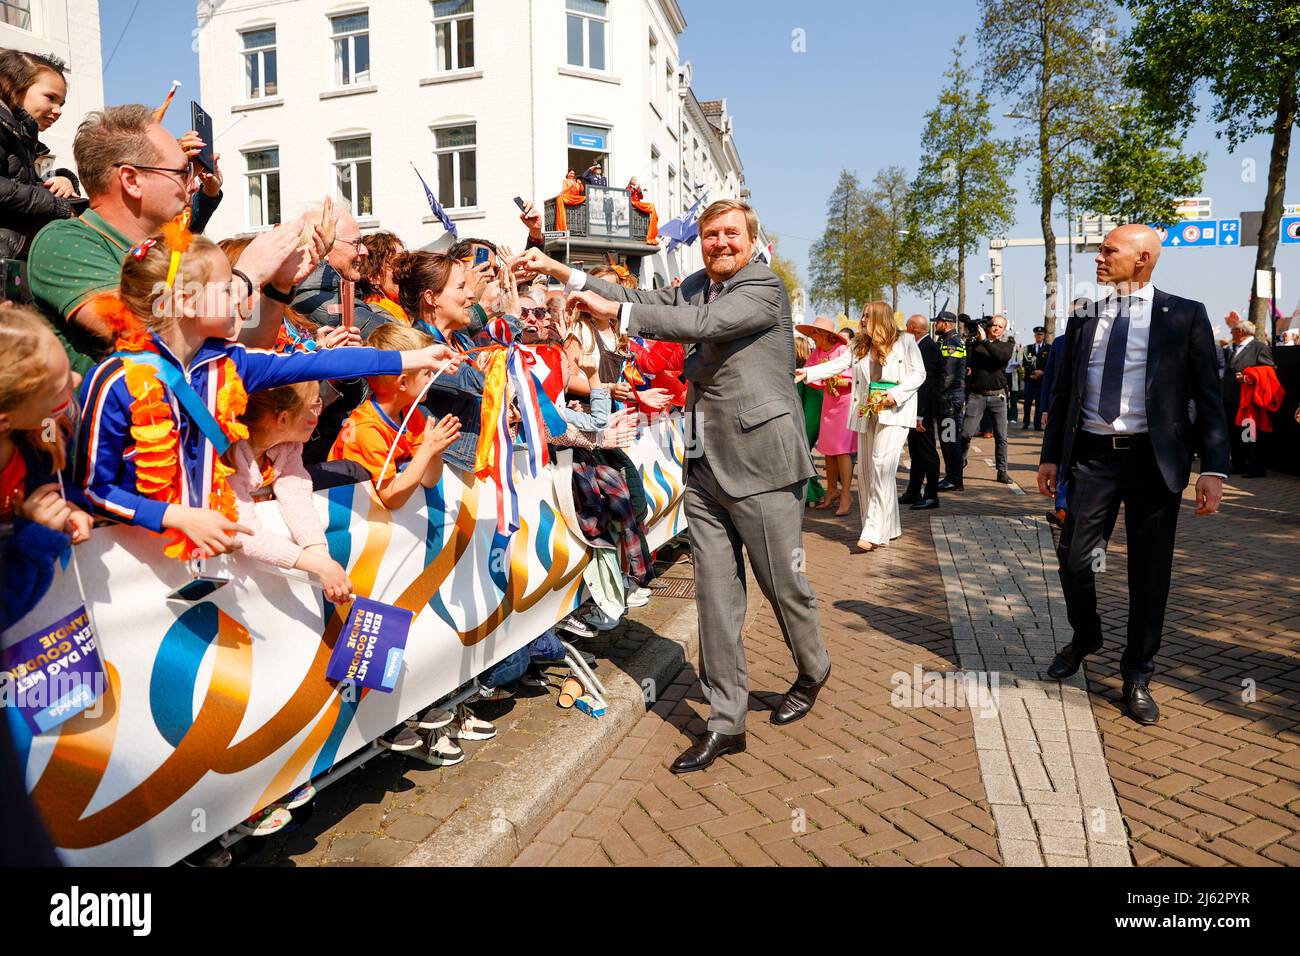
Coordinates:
(834, 438)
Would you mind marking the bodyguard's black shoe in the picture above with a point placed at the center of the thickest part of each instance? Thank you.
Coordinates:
(947, 485)
(1141, 705)
(907, 497)
(1004, 478)
(799, 699)
(925, 504)
(1067, 661)
(708, 749)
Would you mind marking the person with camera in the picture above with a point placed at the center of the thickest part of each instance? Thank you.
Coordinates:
(987, 355)
(952, 397)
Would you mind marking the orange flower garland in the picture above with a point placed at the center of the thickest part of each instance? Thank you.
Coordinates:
(157, 439)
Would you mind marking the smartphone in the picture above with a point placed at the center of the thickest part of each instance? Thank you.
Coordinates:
(203, 126)
(520, 203)
(481, 255)
(198, 588)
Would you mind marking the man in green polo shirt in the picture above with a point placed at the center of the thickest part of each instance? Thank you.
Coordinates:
(138, 177)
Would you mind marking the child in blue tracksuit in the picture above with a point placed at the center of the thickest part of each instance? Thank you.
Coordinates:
(143, 456)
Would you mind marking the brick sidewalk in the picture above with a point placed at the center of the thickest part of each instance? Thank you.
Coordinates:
(860, 781)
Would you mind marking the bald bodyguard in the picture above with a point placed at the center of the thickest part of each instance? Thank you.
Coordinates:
(1119, 428)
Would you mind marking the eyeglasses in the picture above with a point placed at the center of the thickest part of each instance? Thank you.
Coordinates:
(186, 172)
(538, 313)
(357, 244)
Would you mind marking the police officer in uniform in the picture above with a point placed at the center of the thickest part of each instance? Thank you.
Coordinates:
(952, 397)
(1033, 363)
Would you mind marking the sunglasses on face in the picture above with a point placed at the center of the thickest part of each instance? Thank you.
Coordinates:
(538, 313)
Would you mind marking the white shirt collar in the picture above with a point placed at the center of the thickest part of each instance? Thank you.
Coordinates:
(1146, 293)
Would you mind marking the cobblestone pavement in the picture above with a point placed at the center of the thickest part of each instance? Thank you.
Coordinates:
(863, 781)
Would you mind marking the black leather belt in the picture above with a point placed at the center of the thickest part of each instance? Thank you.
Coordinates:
(1096, 442)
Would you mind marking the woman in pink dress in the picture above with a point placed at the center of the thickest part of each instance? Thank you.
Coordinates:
(835, 440)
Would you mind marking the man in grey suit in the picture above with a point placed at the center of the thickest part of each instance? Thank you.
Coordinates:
(747, 458)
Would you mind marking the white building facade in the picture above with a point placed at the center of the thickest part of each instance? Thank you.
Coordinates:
(68, 29)
(488, 99)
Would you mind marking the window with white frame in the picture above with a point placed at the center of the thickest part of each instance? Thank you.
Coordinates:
(586, 29)
(670, 74)
(453, 35)
(351, 35)
(457, 160)
(263, 175)
(261, 69)
(353, 174)
(672, 190)
(16, 13)
(653, 85)
(654, 175)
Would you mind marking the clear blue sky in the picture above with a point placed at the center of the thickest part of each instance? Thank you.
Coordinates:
(854, 100)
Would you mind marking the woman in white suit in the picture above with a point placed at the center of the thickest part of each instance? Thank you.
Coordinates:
(880, 353)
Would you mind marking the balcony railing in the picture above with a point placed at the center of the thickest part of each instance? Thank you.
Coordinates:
(620, 222)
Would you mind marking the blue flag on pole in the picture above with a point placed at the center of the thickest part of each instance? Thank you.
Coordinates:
(436, 206)
(684, 229)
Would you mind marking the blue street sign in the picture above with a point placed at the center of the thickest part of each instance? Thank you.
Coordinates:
(1229, 232)
(586, 141)
(1290, 229)
(1199, 232)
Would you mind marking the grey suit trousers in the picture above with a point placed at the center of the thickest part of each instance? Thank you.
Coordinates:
(769, 526)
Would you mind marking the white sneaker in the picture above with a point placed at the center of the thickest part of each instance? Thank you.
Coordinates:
(400, 740)
(575, 625)
(440, 751)
(468, 727)
(304, 794)
(639, 598)
(266, 821)
(431, 718)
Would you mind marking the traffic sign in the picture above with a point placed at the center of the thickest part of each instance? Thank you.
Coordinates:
(1290, 232)
(1199, 233)
(1229, 232)
(1193, 207)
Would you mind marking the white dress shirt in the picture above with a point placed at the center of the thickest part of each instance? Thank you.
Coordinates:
(578, 281)
(1133, 393)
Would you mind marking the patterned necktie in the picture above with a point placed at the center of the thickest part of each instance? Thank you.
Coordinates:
(1112, 376)
(715, 290)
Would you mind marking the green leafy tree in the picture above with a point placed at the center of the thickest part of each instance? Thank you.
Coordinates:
(786, 269)
(888, 205)
(840, 263)
(1058, 62)
(1248, 54)
(961, 193)
(1139, 172)
(926, 272)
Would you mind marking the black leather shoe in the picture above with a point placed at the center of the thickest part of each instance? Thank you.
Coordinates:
(907, 497)
(1141, 705)
(799, 699)
(1004, 478)
(947, 485)
(925, 504)
(1067, 661)
(707, 749)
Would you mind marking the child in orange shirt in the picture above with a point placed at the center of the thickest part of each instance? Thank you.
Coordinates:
(370, 431)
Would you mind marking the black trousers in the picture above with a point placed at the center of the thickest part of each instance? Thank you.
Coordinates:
(1246, 455)
(1100, 481)
(1032, 411)
(950, 425)
(921, 448)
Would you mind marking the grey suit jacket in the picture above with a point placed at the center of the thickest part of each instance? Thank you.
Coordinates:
(743, 413)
